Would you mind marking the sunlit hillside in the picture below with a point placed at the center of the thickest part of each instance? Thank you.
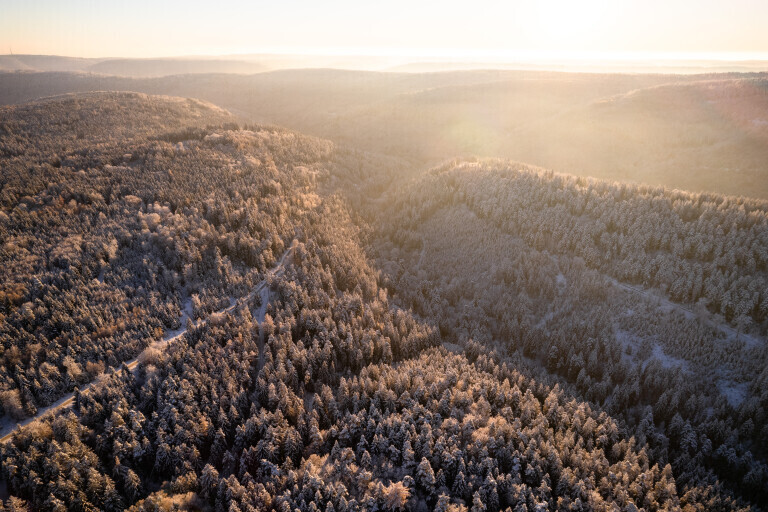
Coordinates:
(697, 132)
(384, 257)
(213, 283)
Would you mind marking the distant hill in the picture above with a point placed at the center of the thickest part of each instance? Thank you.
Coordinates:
(165, 67)
(693, 132)
(101, 116)
(615, 66)
(707, 135)
(44, 63)
(129, 67)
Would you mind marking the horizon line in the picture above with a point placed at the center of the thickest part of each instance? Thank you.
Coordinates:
(456, 55)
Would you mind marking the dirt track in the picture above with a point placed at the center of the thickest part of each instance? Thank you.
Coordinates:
(68, 400)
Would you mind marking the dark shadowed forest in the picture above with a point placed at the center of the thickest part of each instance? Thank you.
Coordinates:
(200, 310)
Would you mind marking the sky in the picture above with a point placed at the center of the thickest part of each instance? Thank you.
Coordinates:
(497, 29)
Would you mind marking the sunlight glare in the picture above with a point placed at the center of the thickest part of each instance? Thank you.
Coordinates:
(567, 24)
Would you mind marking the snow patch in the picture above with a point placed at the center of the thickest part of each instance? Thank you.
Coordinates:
(750, 341)
(640, 351)
(186, 312)
(666, 360)
(734, 392)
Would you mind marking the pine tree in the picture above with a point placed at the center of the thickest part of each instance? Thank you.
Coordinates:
(477, 503)
(459, 489)
(425, 477)
(443, 502)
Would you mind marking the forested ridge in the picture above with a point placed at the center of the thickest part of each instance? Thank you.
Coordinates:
(106, 238)
(448, 340)
(702, 247)
(568, 277)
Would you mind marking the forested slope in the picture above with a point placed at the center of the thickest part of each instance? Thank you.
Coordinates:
(340, 399)
(647, 302)
(110, 225)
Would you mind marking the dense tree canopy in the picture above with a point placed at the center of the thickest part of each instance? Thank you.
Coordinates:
(421, 379)
(623, 294)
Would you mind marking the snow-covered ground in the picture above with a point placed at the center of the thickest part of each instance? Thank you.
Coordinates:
(734, 392)
(668, 361)
(628, 339)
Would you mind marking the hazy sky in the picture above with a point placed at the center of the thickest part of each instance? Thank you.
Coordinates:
(500, 28)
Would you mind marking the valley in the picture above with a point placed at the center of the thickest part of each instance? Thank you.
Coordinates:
(418, 329)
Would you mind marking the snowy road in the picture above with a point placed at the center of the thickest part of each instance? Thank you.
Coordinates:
(8, 428)
(730, 332)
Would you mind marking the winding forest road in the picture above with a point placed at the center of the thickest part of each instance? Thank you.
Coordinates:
(65, 402)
